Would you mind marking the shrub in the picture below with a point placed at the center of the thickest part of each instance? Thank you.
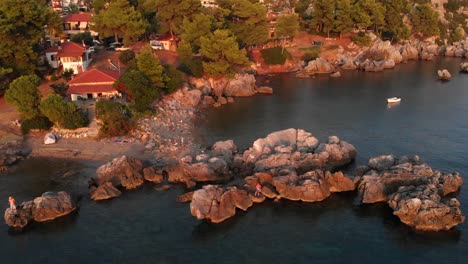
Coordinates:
(127, 57)
(361, 39)
(38, 122)
(275, 56)
(67, 73)
(115, 117)
(174, 79)
(59, 88)
(75, 120)
(193, 68)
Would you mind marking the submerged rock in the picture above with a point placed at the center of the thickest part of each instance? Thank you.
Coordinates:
(48, 206)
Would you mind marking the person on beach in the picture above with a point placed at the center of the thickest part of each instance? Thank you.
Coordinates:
(11, 200)
(258, 189)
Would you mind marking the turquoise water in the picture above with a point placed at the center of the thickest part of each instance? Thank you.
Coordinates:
(149, 226)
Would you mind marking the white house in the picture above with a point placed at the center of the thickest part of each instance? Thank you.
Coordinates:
(69, 55)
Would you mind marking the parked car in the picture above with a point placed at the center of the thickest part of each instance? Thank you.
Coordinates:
(117, 46)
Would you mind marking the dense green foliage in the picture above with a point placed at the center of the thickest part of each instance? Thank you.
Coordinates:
(115, 117)
(128, 58)
(25, 96)
(151, 67)
(361, 39)
(22, 24)
(120, 19)
(60, 88)
(425, 20)
(221, 53)
(38, 122)
(174, 79)
(141, 92)
(274, 56)
(62, 113)
(84, 37)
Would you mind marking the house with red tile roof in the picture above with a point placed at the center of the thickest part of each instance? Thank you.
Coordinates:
(94, 83)
(77, 23)
(69, 55)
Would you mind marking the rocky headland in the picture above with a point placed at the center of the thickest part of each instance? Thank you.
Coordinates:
(381, 55)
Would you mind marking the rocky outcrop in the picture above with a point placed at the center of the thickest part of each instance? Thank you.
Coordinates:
(464, 67)
(188, 97)
(336, 74)
(413, 190)
(122, 171)
(444, 75)
(421, 207)
(319, 65)
(217, 203)
(153, 175)
(49, 206)
(409, 52)
(105, 191)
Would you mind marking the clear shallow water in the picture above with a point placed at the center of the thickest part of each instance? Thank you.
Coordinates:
(148, 226)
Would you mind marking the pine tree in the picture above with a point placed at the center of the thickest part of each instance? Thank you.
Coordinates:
(25, 96)
(120, 19)
(221, 53)
(151, 67)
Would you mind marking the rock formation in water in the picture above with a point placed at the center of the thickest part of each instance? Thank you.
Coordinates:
(413, 190)
(48, 206)
(464, 67)
(290, 164)
(444, 75)
(122, 171)
(293, 165)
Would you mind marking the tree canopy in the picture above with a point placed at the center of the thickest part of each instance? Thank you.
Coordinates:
(62, 113)
(221, 53)
(22, 24)
(25, 96)
(120, 19)
(151, 67)
(141, 92)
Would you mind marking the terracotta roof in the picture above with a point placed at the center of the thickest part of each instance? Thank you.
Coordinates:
(81, 17)
(93, 81)
(95, 75)
(84, 89)
(71, 49)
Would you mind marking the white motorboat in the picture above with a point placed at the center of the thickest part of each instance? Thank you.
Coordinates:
(393, 100)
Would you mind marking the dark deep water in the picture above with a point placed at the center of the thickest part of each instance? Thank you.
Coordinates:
(149, 226)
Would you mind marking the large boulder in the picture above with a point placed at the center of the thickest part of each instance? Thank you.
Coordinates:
(241, 85)
(382, 162)
(409, 52)
(310, 187)
(105, 191)
(464, 67)
(48, 206)
(299, 150)
(217, 203)
(319, 65)
(444, 75)
(188, 97)
(421, 208)
(51, 205)
(122, 171)
(153, 175)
